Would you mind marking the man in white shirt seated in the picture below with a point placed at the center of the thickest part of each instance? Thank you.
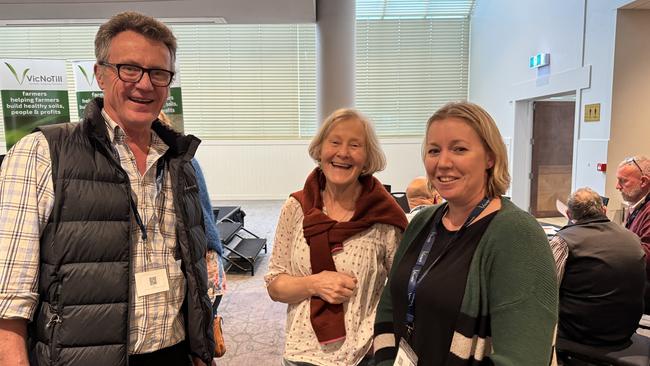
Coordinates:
(420, 195)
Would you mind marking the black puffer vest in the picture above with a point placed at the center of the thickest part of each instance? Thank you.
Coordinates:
(82, 316)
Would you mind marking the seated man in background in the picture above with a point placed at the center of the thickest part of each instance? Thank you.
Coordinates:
(420, 195)
(633, 181)
(601, 272)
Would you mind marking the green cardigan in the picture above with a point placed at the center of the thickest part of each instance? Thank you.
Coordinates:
(510, 306)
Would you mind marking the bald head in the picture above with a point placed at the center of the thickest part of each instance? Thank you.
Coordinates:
(584, 204)
(418, 193)
(640, 162)
(633, 178)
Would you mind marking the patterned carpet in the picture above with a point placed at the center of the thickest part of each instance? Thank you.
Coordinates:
(253, 323)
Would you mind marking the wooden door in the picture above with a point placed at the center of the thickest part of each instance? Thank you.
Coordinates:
(552, 158)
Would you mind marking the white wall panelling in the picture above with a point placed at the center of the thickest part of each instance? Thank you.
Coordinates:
(249, 170)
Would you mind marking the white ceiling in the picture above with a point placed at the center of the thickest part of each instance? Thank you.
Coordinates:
(232, 11)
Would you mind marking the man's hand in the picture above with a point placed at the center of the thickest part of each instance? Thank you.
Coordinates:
(13, 335)
(334, 287)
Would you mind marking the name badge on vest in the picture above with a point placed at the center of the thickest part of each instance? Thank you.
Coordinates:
(405, 355)
(151, 282)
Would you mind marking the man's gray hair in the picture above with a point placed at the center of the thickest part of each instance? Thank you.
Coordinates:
(138, 23)
(585, 203)
(641, 161)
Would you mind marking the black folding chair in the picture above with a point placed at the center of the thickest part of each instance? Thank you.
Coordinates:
(401, 199)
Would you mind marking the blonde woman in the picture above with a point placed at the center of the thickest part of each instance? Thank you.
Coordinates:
(473, 281)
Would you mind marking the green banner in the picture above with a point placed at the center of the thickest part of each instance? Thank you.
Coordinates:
(24, 110)
(174, 103)
(173, 108)
(83, 98)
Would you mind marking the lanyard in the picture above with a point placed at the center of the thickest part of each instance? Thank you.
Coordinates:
(160, 171)
(416, 273)
(634, 213)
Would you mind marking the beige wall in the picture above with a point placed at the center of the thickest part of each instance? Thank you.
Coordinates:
(630, 127)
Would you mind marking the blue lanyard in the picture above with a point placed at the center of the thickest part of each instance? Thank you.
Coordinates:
(416, 273)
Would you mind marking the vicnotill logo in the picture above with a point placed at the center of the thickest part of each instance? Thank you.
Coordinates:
(35, 79)
(13, 71)
(90, 80)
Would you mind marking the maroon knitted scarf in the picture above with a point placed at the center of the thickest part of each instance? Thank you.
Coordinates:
(325, 237)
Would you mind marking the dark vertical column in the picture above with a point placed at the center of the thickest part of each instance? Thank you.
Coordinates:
(335, 55)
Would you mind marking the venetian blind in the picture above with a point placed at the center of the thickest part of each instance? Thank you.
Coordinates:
(412, 57)
(238, 81)
(248, 81)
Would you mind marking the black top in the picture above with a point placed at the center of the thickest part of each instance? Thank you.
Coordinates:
(601, 293)
(440, 294)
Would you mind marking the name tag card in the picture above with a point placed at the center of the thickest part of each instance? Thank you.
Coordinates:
(405, 355)
(151, 282)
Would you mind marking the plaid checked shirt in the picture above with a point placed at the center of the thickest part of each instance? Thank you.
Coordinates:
(26, 201)
(560, 249)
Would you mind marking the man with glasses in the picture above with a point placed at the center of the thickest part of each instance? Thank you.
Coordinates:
(633, 181)
(102, 243)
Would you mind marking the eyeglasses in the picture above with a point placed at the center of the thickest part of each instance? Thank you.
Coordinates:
(631, 160)
(133, 74)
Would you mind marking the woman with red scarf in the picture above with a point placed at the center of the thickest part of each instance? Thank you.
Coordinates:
(334, 246)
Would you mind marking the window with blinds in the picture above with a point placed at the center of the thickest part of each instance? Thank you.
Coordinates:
(259, 81)
(412, 57)
(238, 81)
(248, 81)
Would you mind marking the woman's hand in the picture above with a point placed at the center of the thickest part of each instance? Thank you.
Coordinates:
(333, 287)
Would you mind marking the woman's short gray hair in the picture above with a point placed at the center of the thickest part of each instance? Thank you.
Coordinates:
(138, 23)
(375, 158)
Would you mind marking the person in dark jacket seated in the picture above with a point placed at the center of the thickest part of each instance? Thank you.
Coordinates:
(601, 271)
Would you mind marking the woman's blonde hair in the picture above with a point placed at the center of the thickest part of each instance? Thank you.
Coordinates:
(498, 177)
(165, 120)
(375, 158)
